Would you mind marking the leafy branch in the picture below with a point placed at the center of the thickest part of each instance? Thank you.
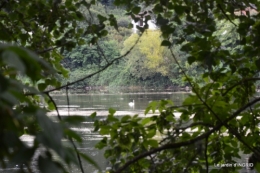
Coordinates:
(188, 142)
(194, 125)
(231, 130)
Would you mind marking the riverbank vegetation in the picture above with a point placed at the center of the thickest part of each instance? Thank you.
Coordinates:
(147, 65)
(211, 46)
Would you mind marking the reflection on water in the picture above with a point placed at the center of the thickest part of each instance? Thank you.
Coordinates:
(119, 102)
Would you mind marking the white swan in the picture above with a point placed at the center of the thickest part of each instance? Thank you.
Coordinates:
(131, 104)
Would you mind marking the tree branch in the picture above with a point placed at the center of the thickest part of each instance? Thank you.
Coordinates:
(195, 124)
(55, 105)
(221, 9)
(90, 75)
(102, 52)
(48, 49)
(239, 83)
(231, 130)
(70, 139)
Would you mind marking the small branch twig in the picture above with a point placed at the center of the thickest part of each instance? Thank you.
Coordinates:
(78, 156)
(70, 139)
(55, 105)
(221, 9)
(102, 52)
(174, 107)
(206, 155)
(195, 124)
(68, 101)
(48, 49)
(239, 83)
(90, 75)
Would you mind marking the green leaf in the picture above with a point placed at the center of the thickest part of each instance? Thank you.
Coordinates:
(101, 18)
(111, 118)
(73, 135)
(136, 10)
(10, 98)
(113, 21)
(145, 163)
(125, 118)
(4, 81)
(130, 26)
(152, 106)
(146, 120)
(50, 105)
(257, 63)
(234, 143)
(108, 153)
(42, 86)
(166, 43)
(151, 133)
(93, 2)
(93, 115)
(157, 9)
(257, 167)
(70, 156)
(153, 143)
(74, 119)
(101, 144)
(23, 155)
(112, 111)
(150, 143)
(104, 130)
(12, 60)
(51, 133)
(104, 33)
(179, 9)
(191, 59)
(170, 118)
(46, 165)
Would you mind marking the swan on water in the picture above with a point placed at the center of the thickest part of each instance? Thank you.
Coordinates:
(131, 103)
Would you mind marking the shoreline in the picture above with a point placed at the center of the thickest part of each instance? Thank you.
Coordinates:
(148, 93)
(140, 113)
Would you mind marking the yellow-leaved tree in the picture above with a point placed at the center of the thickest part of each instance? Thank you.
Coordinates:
(148, 56)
